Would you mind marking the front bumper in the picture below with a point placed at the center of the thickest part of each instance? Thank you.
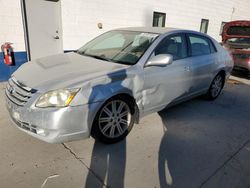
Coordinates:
(54, 125)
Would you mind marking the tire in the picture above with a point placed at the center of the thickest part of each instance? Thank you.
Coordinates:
(215, 87)
(114, 120)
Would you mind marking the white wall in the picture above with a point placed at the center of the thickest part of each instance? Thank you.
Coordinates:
(11, 26)
(80, 17)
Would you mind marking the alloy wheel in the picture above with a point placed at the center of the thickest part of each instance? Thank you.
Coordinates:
(216, 86)
(114, 118)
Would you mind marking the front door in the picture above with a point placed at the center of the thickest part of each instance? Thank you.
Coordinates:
(43, 27)
(165, 84)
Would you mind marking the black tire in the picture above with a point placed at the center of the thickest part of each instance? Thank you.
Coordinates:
(215, 87)
(97, 127)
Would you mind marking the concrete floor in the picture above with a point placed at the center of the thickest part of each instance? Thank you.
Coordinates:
(195, 144)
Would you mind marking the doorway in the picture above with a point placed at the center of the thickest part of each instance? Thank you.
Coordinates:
(42, 27)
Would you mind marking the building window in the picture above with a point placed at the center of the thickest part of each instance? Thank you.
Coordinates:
(159, 19)
(221, 27)
(204, 25)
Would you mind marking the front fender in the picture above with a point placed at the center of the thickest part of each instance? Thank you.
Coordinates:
(101, 89)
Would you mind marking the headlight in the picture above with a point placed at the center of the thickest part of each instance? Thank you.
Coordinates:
(56, 98)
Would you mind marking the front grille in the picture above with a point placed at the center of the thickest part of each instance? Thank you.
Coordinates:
(18, 93)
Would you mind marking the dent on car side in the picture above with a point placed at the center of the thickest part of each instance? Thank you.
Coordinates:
(99, 81)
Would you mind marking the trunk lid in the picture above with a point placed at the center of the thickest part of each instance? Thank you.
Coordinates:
(236, 35)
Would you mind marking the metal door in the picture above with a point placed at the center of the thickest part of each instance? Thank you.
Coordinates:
(202, 61)
(42, 27)
(165, 84)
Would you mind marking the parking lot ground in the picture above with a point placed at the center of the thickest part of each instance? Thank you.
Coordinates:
(195, 144)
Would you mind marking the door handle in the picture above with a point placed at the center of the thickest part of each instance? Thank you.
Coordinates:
(56, 37)
(187, 68)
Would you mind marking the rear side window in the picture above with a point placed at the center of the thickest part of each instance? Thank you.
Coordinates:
(212, 47)
(174, 45)
(199, 45)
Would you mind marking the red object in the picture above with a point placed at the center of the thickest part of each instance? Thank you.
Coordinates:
(236, 39)
(227, 26)
(8, 53)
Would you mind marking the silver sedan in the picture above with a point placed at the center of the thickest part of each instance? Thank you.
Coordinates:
(114, 80)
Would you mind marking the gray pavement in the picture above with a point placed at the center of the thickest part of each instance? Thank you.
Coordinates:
(195, 144)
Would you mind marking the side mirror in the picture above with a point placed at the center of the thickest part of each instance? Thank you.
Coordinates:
(160, 60)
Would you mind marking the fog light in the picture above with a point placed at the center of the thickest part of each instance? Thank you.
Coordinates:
(41, 132)
(16, 116)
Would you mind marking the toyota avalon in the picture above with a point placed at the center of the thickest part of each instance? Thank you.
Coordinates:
(110, 83)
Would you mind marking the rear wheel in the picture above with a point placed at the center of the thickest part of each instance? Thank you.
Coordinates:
(114, 120)
(215, 87)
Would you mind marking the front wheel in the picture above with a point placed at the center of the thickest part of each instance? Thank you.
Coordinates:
(215, 87)
(114, 120)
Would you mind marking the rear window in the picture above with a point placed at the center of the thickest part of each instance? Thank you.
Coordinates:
(239, 30)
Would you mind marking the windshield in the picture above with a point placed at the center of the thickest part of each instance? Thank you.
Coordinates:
(125, 47)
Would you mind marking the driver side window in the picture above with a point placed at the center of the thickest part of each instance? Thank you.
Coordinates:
(174, 45)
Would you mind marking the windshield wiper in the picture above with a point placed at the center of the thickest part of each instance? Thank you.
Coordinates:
(104, 58)
(96, 57)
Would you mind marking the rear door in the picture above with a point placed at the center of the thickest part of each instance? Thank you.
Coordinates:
(203, 57)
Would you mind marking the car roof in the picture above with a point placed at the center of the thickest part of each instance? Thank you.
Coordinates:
(160, 30)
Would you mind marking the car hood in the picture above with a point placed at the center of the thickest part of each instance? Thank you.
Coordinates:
(63, 70)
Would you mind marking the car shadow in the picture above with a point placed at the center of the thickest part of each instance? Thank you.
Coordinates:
(199, 136)
(108, 162)
(241, 74)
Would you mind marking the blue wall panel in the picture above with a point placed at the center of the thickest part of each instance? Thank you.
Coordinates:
(6, 71)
